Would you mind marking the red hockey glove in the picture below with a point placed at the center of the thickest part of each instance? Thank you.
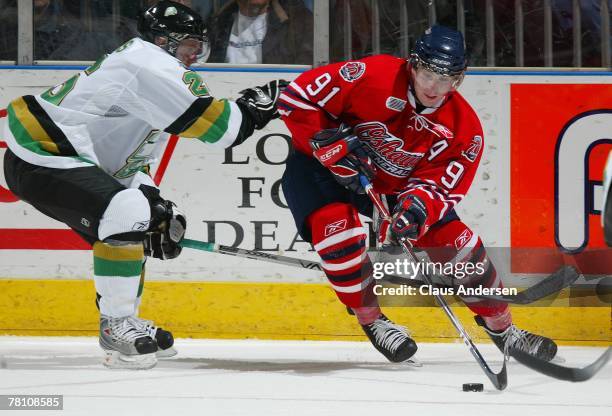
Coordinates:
(408, 221)
(343, 154)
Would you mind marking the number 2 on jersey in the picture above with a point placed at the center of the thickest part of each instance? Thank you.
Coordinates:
(195, 83)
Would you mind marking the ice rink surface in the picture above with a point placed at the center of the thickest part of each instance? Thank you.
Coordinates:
(291, 378)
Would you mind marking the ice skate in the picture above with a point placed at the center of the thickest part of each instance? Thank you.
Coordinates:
(519, 339)
(165, 340)
(125, 345)
(392, 340)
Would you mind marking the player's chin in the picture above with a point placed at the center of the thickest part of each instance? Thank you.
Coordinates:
(429, 101)
(188, 61)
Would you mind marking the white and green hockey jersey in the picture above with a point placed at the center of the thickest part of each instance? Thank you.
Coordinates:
(117, 113)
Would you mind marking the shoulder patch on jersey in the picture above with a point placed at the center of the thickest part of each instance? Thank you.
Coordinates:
(396, 104)
(352, 71)
(473, 149)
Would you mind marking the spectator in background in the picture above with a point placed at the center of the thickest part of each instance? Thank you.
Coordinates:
(8, 30)
(361, 27)
(262, 32)
(62, 33)
(533, 33)
(203, 7)
(563, 37)
(49, 29)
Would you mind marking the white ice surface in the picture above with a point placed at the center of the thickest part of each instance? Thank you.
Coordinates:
(293, 378)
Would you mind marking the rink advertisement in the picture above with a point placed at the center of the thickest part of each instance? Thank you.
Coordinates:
(558, 158)
(234, 198)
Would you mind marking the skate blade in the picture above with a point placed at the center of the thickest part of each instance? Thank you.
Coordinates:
(167, 353)
(558, 360)
(116, 360)
(413, 362)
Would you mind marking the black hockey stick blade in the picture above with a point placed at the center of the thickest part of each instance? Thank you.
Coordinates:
(557, 281)
(560, 372)
(499, 380)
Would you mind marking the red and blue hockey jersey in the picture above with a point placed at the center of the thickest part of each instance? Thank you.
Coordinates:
(433, 154)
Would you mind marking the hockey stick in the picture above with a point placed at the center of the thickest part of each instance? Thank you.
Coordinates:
(553, 283)
(499, 380)
(251, 254)
(559, 371)
(275, 258)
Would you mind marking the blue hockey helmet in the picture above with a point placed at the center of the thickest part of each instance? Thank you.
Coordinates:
(441, 50)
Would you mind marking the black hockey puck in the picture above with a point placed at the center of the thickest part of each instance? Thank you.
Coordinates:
(473, 387)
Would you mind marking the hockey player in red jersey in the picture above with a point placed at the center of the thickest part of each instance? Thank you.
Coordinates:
(420, 143)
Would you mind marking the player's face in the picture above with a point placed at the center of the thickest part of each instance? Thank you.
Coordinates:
(430, 87)
(190, 50)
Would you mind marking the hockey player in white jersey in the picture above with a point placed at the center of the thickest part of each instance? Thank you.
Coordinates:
(79, 152)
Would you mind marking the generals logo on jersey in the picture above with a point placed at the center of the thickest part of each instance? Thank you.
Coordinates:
(473, 150)
(352, 71)
(386, 150)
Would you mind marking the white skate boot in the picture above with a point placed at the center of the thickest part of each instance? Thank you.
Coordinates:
(125, 345)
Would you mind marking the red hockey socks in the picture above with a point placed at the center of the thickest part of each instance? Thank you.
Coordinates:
(367, 314)
(340, 240)
(456, 243)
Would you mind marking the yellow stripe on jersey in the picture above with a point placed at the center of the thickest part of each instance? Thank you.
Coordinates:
(130, 252)
(33, 126)
(208, 118)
